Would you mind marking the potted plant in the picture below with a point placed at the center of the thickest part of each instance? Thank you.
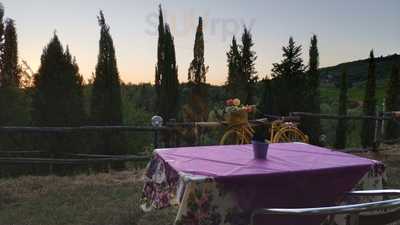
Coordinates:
(236, 113)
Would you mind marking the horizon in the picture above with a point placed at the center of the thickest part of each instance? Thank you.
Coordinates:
(346, 31)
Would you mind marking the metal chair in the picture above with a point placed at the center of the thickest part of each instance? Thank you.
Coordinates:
(392, 213)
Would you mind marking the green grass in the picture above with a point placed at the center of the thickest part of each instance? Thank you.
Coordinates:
(331, 93)
(103, 199)
(329, 105)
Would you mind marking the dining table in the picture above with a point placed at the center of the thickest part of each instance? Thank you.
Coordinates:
(224, 184)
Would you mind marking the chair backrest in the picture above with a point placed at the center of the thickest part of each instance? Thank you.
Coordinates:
(389, 214)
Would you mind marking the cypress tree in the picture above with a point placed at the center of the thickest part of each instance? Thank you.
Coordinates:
(10, 70)
(392, 102)
(312, 125)
(1, 42)
(233, 83)
(169, 79)
(289, 80)
(197, 70)
(106, 93)
(369, 105)
(57, 95)
(267, 99)
(160, 59)
(196, 108)
(13, 102)
(247, 68)
(106, 103)
(75, 94)
(57, 98)
(341, 128)
(166, 78)
(198, 104)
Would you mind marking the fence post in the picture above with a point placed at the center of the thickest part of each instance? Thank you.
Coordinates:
(172, 135)
(177, 139)
(377, 136)
(51, 164)
(156, 122)
(383, 121)
(197, 138)
(89, 168)
(155, 141)
(108, 166)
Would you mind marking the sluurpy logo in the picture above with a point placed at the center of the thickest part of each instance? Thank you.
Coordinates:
(184, 23)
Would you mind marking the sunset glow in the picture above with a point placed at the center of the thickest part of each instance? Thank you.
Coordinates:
(346, 31)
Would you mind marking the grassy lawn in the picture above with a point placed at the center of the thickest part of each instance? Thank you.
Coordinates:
(329, 105)
(330, 94)
(102, 199)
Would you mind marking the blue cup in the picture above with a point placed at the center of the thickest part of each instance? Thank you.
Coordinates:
(260, 149)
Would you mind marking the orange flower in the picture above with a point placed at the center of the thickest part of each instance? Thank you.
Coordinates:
(236, 102)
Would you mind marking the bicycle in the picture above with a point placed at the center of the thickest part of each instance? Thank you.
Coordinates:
(281, 131)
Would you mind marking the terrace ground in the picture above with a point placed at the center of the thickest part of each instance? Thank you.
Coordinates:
(104, 199)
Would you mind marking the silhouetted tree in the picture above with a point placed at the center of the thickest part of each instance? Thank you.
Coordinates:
(160, 60)
(233, 83)
(1, 42)
(341, 128)
(10, 69)
(289, 81)
(197, 106)
(267, 105)
(197, 69)
(247, 68)
(169, 97)
(166, 75)
(392, 101)
(57, 97)
(75, 95)
(312, 125)
(369, 105)
(10, 95)
(14, 102)
(106, 104)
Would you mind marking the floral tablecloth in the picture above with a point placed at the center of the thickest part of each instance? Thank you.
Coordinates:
(221, 185)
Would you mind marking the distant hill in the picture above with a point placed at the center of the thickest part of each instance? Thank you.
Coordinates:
(357, 70)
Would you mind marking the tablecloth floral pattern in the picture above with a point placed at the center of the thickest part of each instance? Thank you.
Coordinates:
(202, 201)
(373, 180)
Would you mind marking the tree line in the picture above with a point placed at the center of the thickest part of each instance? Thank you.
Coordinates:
(293, 86)
(369, 106)
(57, 92)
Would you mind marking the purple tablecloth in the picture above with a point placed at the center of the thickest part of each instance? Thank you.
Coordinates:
(236, 161)
(294, 175)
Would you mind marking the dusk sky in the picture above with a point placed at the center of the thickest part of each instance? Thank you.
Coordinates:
(346, 29)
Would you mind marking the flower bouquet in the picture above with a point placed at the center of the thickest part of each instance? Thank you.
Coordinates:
(236, 113)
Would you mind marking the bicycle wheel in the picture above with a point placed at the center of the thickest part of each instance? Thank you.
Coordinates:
(289, 134)
(235, 137)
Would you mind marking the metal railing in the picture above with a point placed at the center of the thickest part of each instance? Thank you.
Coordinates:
(353, 210)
